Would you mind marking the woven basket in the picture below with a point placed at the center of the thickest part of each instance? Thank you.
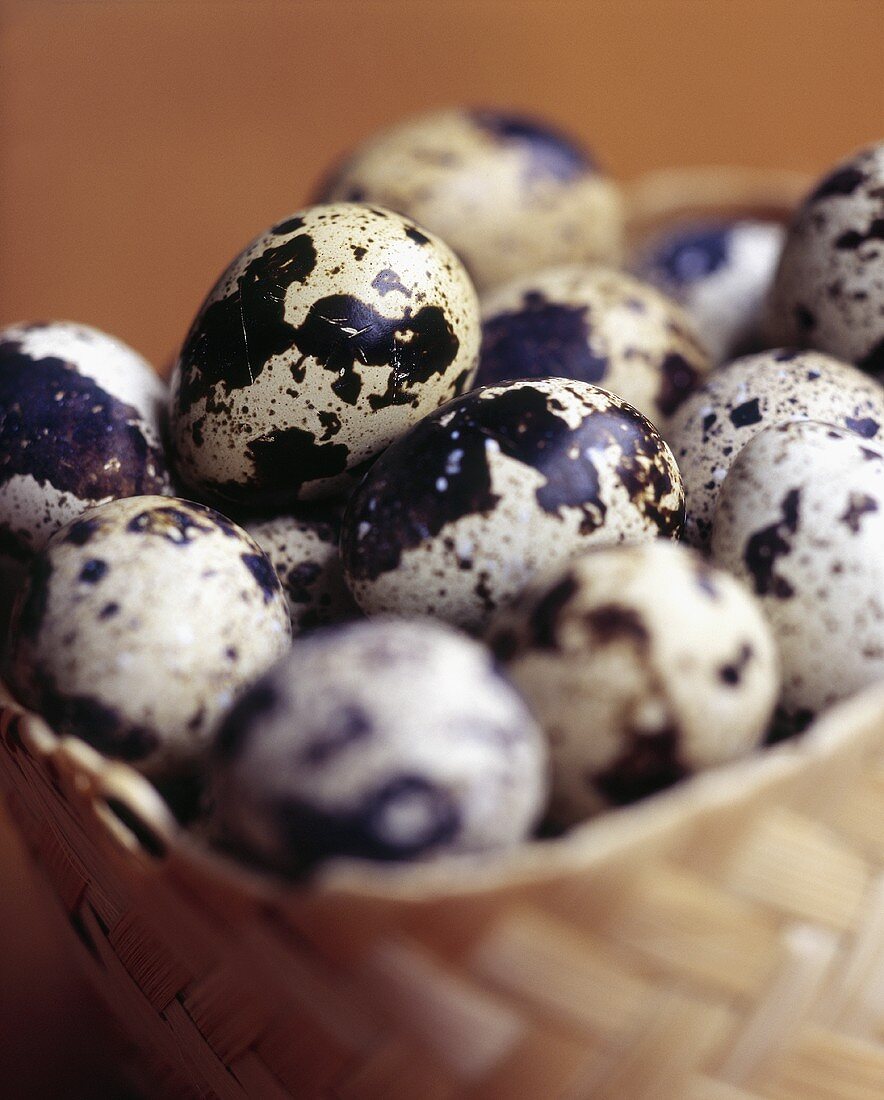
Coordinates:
(723, 940)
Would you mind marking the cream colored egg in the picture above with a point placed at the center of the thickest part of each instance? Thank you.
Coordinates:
(379, 740)
(511, 195)
(800, 518)
(457, 516)
(140, 622)
(80, 424)
(829, 286)
(303, 548)
(595, 325)
(643, 665)
(323, 341)
(739, 400)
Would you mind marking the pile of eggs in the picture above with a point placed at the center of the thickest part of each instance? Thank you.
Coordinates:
(457, 521)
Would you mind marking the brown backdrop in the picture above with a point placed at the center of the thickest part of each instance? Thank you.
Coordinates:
(144, 142)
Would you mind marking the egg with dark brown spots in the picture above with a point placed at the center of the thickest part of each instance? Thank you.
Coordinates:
(139, 623)
(510, 194)
(829, 288)
(720, 272)
(303, 547)
(80, 424)
(800, 519)
(644, 665)
(381, 740)
(323, 341)
(457, 516)
(595, 325)
(739, 400)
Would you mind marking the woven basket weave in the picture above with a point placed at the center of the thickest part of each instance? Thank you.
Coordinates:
(721, 941)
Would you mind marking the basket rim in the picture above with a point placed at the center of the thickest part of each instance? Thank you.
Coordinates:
(594, 845)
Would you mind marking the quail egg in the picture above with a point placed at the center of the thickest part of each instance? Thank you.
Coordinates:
(139, 622)
(800, 518)
(321, 343)
(643, 665)
(740, 399)
(830, 281)
(595, 325)
(382, 740)
(80, 416)
(510, 194)
(829, 286)
(720, 272)
(303, 548)
(457, 516)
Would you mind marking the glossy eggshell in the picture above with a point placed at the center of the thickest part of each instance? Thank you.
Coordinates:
(80, 424)
(456, 517)
(829, 288)
(382, 740)
(739, 400)
(322, 342)
(595, 325)
(800, 518)
(643, 665)
(140, 622)
(720, 272)
(303, 549)
(510, 194)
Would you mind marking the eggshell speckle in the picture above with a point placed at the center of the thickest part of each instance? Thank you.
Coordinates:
(643, 664)
(737, 401)
(321, 343)
(510, 194)
(382, 740)
(829, 289)
(139, 623)
(800, 518)
(80, 424)
(594, 325)
(457, 516)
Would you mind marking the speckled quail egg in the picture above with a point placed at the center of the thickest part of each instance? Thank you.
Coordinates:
(80, 416)
(510, 194)
(139, 623)
(740, 399)
(595, 325)
(720, 272)
(800, 518)
(643, 664)
(829, 288)
(383, 740)
(303, 548)
(320, 344)
(457, 516)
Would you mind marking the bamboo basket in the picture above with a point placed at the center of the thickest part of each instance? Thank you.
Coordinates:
(721, 941)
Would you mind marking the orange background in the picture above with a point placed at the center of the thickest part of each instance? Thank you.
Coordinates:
(145, 141)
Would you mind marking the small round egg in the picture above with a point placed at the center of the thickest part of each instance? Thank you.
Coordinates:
(510, 194)
(595, 325)
(321, 343)
(140, 622)
(383, 740)
(720, 272)
(800, 518)
(80, 424)
(643, 665)
(303, 549)
(458, 515)
(829, 286)
(740, 399)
